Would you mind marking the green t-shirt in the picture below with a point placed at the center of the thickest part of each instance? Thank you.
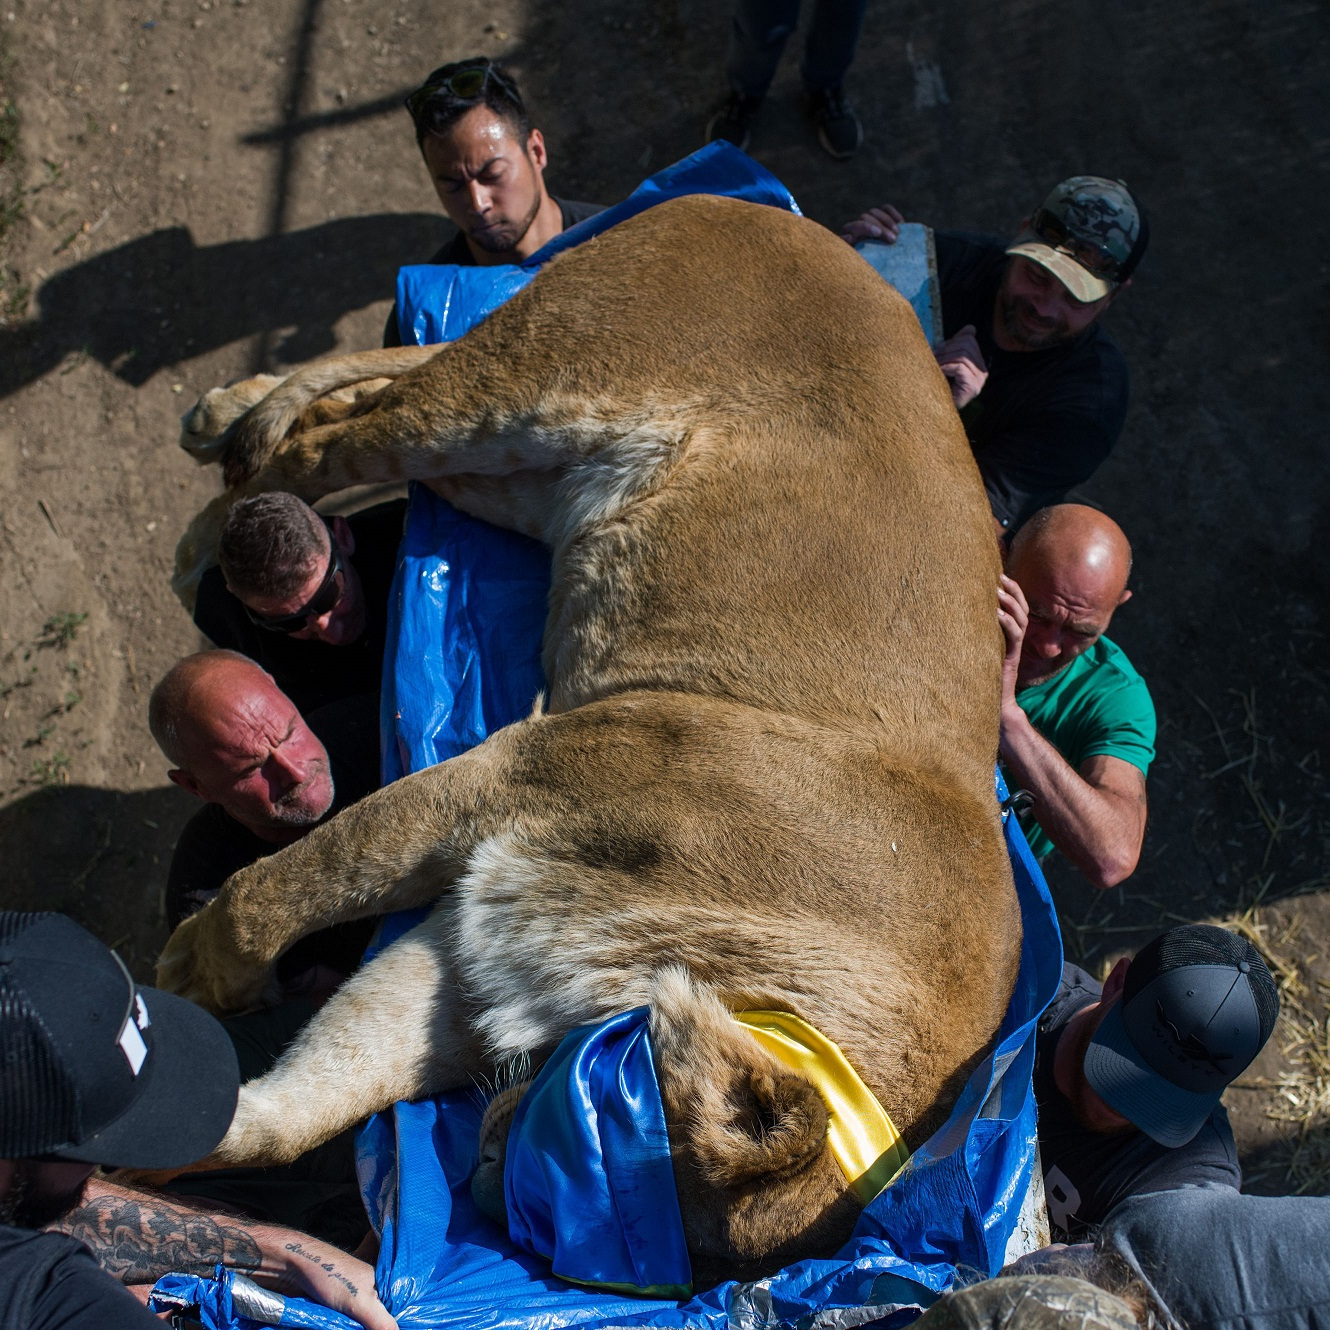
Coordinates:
(1098, 704)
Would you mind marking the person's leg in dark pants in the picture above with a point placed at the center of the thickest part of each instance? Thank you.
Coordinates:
(828, 54)
(758, 33)
(832, 38)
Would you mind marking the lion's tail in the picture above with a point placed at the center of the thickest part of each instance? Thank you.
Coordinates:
(249, 442)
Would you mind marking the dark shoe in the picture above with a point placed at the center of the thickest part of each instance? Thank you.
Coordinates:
(734, 121)
(839, 130)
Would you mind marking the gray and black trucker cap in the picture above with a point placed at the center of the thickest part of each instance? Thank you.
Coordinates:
(1197, 1006)
(96, 1068)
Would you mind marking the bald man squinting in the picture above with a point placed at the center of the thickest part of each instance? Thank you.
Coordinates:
(266, 775)
(1078, 723)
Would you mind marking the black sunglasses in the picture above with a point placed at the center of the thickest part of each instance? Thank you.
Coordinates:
(465, 82)
(1093, 258)
(328, 594)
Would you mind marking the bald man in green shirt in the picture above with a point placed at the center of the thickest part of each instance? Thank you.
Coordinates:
(1078, 725)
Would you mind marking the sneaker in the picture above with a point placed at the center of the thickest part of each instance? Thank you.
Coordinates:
(839, 130)
(733, 122)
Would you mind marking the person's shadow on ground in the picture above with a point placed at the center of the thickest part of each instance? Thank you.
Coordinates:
(100, 856)
(160, 299)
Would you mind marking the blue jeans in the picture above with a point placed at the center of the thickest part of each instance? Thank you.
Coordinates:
(761, 28)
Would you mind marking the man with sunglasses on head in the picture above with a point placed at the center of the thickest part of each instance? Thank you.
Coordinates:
(1040, 386)
(304, 596)
(487, 165)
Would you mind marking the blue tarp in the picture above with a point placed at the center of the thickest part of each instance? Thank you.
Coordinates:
(467, 617)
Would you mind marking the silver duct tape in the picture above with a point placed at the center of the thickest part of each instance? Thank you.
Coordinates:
(259, 1304)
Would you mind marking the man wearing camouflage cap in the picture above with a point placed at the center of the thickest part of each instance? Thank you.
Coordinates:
(1041, 388)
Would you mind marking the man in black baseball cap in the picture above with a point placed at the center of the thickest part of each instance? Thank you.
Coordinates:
(1128, 1080)
(97, 1070)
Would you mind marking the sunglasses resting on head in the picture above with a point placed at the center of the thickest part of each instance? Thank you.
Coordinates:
(1097, 259)
(464, 79)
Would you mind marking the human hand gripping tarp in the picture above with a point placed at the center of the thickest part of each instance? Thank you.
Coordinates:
(467, 618)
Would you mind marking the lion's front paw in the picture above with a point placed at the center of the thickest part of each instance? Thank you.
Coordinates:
(196, 551)
(262, 1133)
(201, 962)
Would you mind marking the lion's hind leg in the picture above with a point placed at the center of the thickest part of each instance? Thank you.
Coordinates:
(203, 427)
(395, 1030)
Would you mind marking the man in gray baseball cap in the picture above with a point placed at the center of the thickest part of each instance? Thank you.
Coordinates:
(1040, 386)
(1128, 1079)
(95, 1069)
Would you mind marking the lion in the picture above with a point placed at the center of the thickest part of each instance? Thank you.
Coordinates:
(763, 774)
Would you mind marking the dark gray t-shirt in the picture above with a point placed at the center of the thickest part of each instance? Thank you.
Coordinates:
(1089, 1173)
(1215, 1259)
(50, 1282)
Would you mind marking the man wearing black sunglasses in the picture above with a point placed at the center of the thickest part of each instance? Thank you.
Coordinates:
(305, 597)
(1041, 387)
(487, 165)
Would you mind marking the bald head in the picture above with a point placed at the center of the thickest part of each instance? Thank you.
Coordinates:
(186, 704)
(235, 739)
(1072, 563)
(1079, 541)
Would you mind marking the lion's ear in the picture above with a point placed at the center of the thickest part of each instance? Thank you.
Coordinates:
(739, 1114)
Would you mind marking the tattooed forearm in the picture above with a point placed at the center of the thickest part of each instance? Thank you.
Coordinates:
(328, 1267)
(140, 1236)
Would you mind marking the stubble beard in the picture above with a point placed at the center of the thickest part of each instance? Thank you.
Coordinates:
(1010, 308)
(288, 812)
(24, 1205)
(505, 239)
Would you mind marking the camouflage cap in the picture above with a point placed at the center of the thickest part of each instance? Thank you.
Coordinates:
(1089, 233)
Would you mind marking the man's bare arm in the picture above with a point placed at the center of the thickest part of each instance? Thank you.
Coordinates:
(1094, 816)
(138, 1236)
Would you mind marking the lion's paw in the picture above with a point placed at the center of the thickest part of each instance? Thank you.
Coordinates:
(196, 551)
(245, 450)
(261, 1134)
(202, 963)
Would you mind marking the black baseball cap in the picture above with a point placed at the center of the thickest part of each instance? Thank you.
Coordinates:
(96, 1068)
(1197, 1006)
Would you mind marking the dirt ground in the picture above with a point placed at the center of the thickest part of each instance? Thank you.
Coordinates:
(195, 188)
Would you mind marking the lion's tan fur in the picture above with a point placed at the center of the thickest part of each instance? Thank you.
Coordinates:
(764, 774)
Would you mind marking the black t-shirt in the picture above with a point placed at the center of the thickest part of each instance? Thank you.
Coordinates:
(1087, 1173)
(214, 845)
(1045, 419)
(459, 252)
(49, 1281)
(310, 673)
